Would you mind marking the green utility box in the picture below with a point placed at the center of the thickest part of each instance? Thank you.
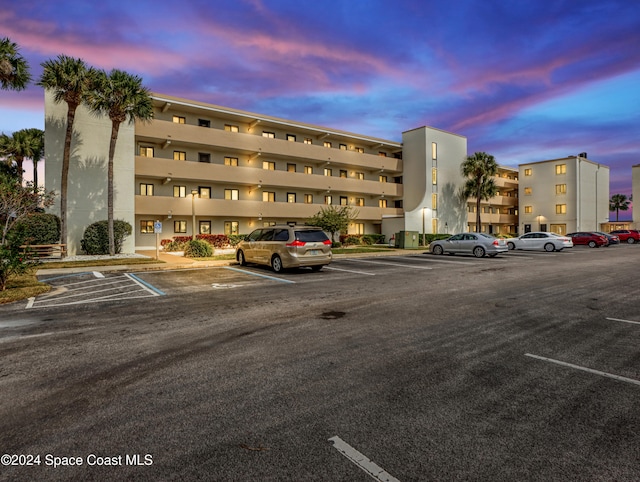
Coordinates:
(407, 239)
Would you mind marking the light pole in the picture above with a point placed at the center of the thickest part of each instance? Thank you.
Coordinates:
(194, 192)
(424, 237)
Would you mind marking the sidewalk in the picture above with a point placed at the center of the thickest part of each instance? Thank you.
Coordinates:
(172, 261)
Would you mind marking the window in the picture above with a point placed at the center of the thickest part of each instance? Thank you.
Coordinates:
(382, 178)
(434, 201)
(291, 138)
(291, 197)
(343, 173)
(146, 189)
(204, 227)
(360, 176)
(231, 128)
(358, 228)
(177, 119)
(270, 135)
(204, 123)
(269, 165)
(343, 200)
(204, 157)
(231, 194)
(179, 226)
(561, 209)
(146, 227)
(327, 144)
(308, 198)
(382, 154)
(561, 169)
(204, 192)
(382, 203)
(308, 140)
(327, 199)
(434, 225)
(230, 161)
(268, 197)
(359, 201)
(231, 227)
(343, 147)
(561, 188)
(291, 168)
(179, 156)
(434, 176)
(528, 209)
(308, 170)
(528, 171)
(179, 191)
(527, 191)
(360, 150)
(327, 171)
(434, 152)
(146, 151)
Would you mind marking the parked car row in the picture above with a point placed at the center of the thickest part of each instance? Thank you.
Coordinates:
(481, 244)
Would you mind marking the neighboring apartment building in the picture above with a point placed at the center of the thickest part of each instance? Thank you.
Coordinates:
(563, 195)
(635, 193)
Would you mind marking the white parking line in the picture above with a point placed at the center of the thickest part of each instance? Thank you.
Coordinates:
(389, 264)
(361, 461)
(437, 260)
(349, 270)
(624, 321)
(259, 275)
(585, 369)
(98, 274)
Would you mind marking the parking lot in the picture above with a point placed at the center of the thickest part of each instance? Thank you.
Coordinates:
(520, 367)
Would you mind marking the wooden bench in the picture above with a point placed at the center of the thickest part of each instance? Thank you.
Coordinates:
(46, 250)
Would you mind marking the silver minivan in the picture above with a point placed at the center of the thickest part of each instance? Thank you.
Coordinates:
(284, 246)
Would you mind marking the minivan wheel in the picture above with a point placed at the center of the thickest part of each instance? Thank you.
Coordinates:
(549, 247)
(317, 268)
(592, 244)
(478, 251)
(241, 260)
(276, 263)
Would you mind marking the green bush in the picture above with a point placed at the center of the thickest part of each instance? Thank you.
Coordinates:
(40, 228)
(175, 245)
(234, 239)
(96, 236)
(197, 248)
(14, 261)
(351, 240)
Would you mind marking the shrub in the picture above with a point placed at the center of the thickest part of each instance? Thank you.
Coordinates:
(96, 236)
(14, 261)
(350, 240)
(215, 240)
(174, 245)
(197, 248)
(40, 228)
(234, 239)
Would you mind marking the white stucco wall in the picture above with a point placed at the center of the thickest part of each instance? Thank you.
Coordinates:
(87, 187)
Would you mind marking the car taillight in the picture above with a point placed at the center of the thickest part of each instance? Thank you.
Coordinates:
(327, 242)
(496, 243)
(296, 243)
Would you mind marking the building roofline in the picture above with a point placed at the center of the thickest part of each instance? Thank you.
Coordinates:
(565, 159)
(435, 129)
(252, 117)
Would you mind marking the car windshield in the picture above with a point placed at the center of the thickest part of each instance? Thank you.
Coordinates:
(309, 236)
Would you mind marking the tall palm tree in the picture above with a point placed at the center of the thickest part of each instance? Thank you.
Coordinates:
(14, 69)
(23, 144)
(122, 97)
(69, 79)
(619, 202)
(479, 169)
(37, 150)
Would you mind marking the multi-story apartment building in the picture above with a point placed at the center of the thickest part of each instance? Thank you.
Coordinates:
(499, 215)
(563, 195)
(635, 193)
(202, 168)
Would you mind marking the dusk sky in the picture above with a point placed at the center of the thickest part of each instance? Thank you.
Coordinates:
(524, 80)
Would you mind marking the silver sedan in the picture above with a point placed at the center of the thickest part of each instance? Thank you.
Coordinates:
(477, 244)
(541, 240)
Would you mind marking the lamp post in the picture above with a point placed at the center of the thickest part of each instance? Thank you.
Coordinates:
(194, 192)
(424, 237)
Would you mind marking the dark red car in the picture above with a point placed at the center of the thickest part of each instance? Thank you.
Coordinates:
(587, 238)
(627, 235)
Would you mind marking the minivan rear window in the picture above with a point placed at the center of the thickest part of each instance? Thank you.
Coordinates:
(311, 236)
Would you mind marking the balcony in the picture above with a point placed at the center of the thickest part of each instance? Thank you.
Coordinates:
(487, 218)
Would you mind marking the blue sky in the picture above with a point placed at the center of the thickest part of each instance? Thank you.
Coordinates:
(525, 80)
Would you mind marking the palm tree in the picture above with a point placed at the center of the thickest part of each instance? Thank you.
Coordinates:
(619, 202)
(14, 69)
(122, 97)
(37, 150)
(69, 79)
(479, 170)
(23, 144)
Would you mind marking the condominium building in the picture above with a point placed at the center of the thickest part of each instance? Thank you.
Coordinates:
(635, 193)
(499, 215)
(563, 195)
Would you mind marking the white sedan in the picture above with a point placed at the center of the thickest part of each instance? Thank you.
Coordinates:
(541, 240)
